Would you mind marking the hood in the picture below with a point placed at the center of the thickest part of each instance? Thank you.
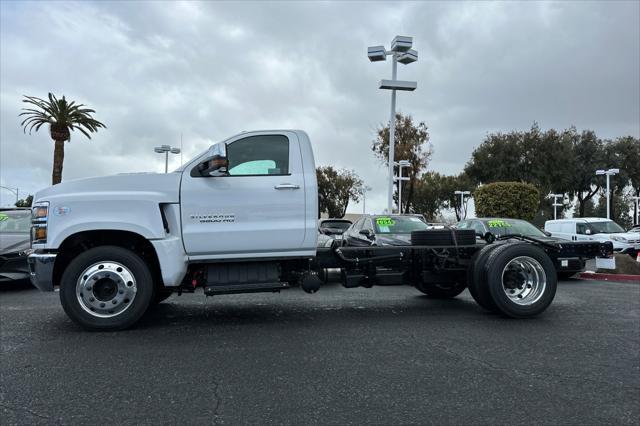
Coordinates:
(13, 242)
(393, 239)
(161, 187)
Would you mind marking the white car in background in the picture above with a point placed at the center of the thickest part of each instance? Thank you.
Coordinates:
(596, 229)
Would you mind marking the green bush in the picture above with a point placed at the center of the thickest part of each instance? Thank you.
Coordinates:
(515, 200)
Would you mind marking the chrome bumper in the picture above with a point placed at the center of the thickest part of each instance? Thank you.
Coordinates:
(41, 270)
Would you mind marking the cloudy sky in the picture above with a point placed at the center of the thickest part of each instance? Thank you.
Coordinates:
(206, 70)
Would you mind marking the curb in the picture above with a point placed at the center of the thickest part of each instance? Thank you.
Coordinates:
(609, 277)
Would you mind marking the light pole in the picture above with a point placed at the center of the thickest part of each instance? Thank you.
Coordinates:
(365, 189)
(401, 165)
(609, 172)
(401, 52)
(637, 200)
(555, 203)
(166, 149)
(17, 190)
(462, 194)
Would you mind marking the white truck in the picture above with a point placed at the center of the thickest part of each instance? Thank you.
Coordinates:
(242, 217)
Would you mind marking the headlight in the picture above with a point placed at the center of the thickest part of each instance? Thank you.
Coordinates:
(39, 217)
(619, 239)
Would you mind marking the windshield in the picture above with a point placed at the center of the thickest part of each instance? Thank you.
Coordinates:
(335, 224)
(15, 222)
(398, 224)
(609, 227)
(513, 226)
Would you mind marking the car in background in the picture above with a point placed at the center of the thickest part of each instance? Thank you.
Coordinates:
(15, 228)
(498, 226)
(383, 230)
(595, 229)
(333, 227)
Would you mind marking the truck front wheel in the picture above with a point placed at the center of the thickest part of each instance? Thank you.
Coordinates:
(106, 288)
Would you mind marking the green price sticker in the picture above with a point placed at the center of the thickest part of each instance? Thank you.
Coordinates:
(3, 217)
(385, 221)
(499, 224)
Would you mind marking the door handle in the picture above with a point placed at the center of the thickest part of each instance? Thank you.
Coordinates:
(287, 186)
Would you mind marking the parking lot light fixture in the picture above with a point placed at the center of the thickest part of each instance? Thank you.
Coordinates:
(556, 204)
(166, 149)
(401, 165)
(608, 173)
(400, 52)
(365, 189)
(462, 195)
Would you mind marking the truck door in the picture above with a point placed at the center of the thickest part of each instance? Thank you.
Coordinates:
(257, 210)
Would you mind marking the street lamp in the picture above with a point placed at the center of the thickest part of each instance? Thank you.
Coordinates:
(637, 200)
(609, 172)
(401, 52)
(555, 203)
(365, 189)
(166, 149)
(401, 165)
(11, 189)
(462, 194)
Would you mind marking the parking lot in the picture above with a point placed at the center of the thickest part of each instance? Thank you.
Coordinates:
(382, 356)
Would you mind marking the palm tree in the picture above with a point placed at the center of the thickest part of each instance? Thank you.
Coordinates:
(63, 117)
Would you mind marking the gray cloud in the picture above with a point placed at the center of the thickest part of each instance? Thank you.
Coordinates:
(156, 70)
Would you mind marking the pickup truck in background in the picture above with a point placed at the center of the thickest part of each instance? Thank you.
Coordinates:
(242, 217)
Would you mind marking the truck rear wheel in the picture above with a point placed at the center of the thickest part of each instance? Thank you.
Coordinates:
(445, 290)
(476, 277)
(521, 279)
(106, 288)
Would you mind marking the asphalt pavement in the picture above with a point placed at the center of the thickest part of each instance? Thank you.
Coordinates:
(386, 355)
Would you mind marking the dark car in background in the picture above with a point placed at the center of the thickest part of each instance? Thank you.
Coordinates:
(383, 230)
(499, 226)
(15, 227)
(333, 227)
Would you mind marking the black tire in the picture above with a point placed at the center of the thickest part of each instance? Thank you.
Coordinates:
(442, 290)
(476, 278)
(533, 298)
(443, 237)
(88, 263)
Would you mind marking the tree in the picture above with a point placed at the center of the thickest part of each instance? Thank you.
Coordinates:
(515, 200)
(335, 189)
(411, 143)
(25, 202)
(624, 153)
(63, 118)
(621, 216)
(588, 153)
(436, 192)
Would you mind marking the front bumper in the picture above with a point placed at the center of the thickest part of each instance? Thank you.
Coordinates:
(41, 270)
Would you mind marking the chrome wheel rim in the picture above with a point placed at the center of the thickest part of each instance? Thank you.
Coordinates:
(524, 280)
(106, 289)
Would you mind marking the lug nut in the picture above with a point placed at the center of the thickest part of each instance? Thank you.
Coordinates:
(102, 305)
(91, 299)
(114, 301)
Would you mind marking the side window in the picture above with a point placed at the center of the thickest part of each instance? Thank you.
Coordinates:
(581, 228)
(477, 226)
(358, 226)
(259, 155)
(368, 224)
(463, 225)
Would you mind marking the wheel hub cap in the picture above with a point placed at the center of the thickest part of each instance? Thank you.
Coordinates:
(524, 280)
(106, 289)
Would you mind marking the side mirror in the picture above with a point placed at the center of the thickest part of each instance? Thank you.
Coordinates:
(489, 237)
(216, 163)
(367, 233)
(547, 233)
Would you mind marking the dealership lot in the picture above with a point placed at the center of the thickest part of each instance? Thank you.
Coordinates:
(387, 355)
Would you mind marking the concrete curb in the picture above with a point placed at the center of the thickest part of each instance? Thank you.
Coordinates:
(609, 277)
